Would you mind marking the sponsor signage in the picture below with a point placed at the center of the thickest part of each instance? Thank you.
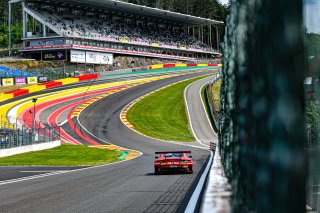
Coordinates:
(20, 81)
(43, 79)
(78, 56)
(53, 56)
(32, 80)
(99, 58)
(7, 81)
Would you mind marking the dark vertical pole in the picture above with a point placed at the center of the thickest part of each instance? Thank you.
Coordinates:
(262, 125)
(217, 37)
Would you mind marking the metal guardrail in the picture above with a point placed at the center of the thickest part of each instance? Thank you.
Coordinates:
(15, 135)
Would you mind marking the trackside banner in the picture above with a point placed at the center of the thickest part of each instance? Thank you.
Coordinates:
(99, 58)
(20, 81)
(7, 81)
(78, 56)
(32, 80)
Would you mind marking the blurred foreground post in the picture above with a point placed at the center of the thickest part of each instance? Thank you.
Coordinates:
(262, 106)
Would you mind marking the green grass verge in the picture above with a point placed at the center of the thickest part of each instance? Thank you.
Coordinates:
(216, 93)
(65, 155)
(162, 115)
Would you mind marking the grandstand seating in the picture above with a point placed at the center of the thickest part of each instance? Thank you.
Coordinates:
(113, 28)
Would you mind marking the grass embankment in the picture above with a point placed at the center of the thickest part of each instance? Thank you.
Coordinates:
(163, 115)
(216, 96)
(216, 93)
(65, 155)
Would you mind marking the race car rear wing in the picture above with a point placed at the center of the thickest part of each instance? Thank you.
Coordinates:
(157, 153)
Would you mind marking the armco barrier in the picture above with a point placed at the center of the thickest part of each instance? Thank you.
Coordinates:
(87, 77)
(18, 92)
(34, 88)
(4, 97)
(169, 65)
(67, 80)
(156, 66)
(160, 66)
(51, 84)
(181, 65)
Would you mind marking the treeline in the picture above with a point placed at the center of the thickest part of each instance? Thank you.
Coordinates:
(211, 9)
(312, 43)
(16, 21)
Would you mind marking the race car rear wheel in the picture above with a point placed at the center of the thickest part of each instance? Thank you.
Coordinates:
(156, 171)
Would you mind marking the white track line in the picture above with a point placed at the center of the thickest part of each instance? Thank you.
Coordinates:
(191, 207)
(5, 182)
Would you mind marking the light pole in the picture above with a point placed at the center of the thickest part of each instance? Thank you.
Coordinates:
(34, 100)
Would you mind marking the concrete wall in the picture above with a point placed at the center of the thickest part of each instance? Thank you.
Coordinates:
(29, 148)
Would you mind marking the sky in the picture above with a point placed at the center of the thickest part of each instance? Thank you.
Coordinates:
(224, 1)
(311, 14)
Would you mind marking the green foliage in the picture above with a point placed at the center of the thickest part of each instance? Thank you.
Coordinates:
(312, 115)
(312, 44)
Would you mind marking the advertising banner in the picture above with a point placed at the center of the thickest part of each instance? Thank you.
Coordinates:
(32, 80)
(99, 58)
(54, 56)
(7, 81)
(20, 81)
(43, 79)
(78, 56)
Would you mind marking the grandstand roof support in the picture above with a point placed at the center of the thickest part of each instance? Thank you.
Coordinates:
(24, 21)
(218, 39)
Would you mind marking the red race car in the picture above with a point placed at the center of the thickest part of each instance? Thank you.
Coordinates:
(173, 161)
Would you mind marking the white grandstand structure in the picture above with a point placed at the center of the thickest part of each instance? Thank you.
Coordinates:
(92, 31)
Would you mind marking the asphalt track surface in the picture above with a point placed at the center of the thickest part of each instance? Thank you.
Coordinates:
(127, 186)
(198, 117)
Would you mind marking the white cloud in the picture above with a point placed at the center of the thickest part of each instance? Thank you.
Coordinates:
(224, 1)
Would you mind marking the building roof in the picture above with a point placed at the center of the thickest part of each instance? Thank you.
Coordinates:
(129, 8)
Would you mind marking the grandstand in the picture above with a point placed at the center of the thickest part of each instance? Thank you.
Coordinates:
(93, 31)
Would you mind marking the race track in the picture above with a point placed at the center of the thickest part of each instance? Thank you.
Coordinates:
(122, 187)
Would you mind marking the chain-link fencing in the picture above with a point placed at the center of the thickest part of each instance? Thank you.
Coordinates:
(15, 133)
